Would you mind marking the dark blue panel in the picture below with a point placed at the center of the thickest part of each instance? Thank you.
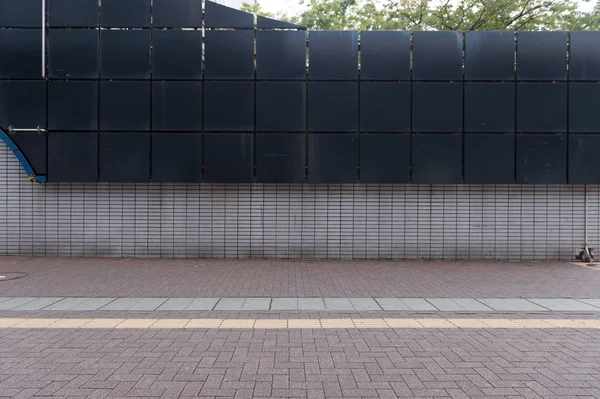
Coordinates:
(584, 114)
(437, 55)
(541, 159)
(332, 158)
(584, 61)
(384, 55)
(176, 54)
(542, 55)
(281, 107)
(489, 107)
(21, 13)
(73, 105)
(124, 106)
(228, 157)
(437, 107)
(541, 107)
(489, 55)
(437, 158)
(177, 157)
(22, 104)
(229, 106)
(125, 13)
(177, 106)
(268, 23)
(384, 107)
(333, 55)
(124, 157)
(21, 53)
(73, 53)
(219, 16)
(280, 158)
(333, 107)
(281, 55)
(229, 54)
(33, 146)
(73, 13)
(72, 157)
(177, 13)
(584, 167)
(125, 54)
(489, 158)
(385, 158)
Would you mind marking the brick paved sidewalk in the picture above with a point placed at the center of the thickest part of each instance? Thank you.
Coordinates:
(301, 363)
(162, 278)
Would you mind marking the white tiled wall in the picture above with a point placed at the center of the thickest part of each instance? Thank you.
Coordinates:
(292, 221)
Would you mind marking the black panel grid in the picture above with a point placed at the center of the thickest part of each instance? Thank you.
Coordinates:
(333, 55)
(73, 53)
(260, 100)
(125, 54)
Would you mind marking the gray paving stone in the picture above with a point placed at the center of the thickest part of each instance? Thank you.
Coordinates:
(284, 304)
(38, 304)
(230, 304)
(311, 304)
(593, 302)
(564, 305)
(175, 304)
(418, 304)
(472, 305)
(148, 304)
(364, 304)
(445, 304)
(257, 304)
(12, 303)
(6, 298)
(202, 304)
(392, 304)
(121, 304)
(511, 305)
(66, 304)
(338, 304)
(93, 304)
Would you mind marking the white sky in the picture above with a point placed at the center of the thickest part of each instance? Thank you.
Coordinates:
(292, 6)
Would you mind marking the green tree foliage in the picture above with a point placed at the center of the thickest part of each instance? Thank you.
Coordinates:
(459, 15)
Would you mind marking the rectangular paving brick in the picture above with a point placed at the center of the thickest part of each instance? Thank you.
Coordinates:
(12, 303)
(338, 304)
(66, 304)
(472, 305)
(256, 304)
(148, 304)
(175, 304)
(38, 304)
(564, 305)
(93, 304)
(284, 304)
(364, 304)
(202, 304)
(311, 304)
(121, 304)
(445, 304)
(5, 298)
(593, 302)
(392, 304)
(418, 304)
(230, 304)
(512, 305)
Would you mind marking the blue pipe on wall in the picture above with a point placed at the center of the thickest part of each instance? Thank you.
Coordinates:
(24, 163)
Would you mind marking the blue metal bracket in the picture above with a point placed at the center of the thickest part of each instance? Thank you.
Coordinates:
(22, 159)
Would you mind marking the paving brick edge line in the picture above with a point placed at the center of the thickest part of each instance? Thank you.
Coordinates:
(277, 324)
(454, 305)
